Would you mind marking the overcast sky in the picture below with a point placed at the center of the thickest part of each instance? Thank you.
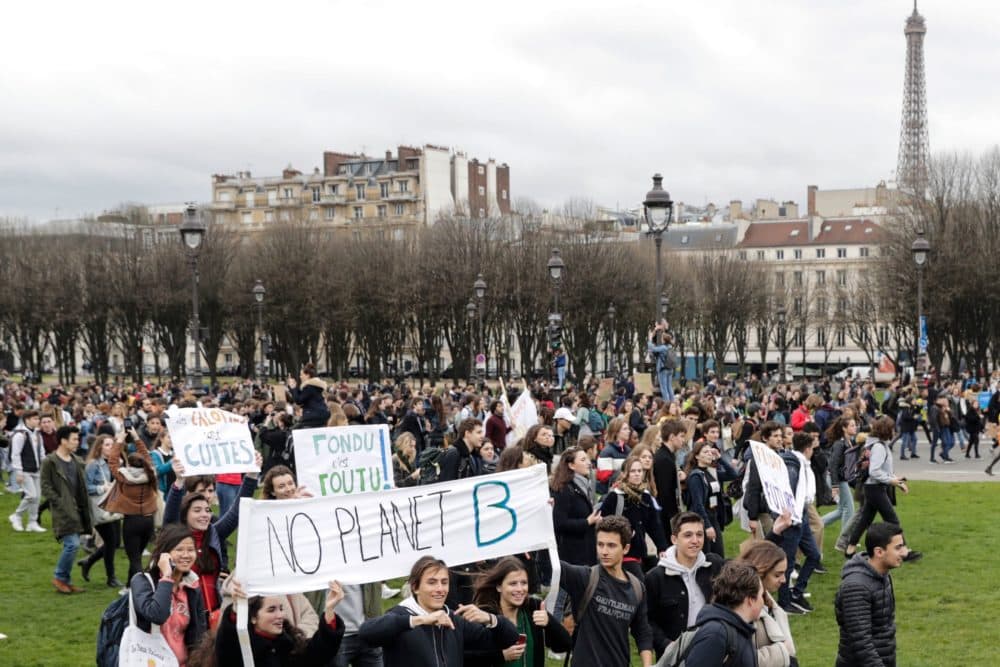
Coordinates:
(112, 101)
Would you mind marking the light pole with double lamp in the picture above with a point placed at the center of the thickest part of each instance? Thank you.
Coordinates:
(921, 248)
(192, 234)
(658, 210)
(258, 297)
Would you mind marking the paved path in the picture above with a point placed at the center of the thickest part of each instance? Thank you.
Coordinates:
(962, 470)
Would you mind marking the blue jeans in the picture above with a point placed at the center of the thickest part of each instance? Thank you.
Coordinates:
(909, 442)
(64, 567)
(795, 538)
(561, 375)
(666, 380)
(845, 508)
(944, 435)
(356, 653)
(227, 495)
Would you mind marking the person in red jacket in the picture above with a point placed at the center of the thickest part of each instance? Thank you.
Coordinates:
(496, 427)
(804, 413)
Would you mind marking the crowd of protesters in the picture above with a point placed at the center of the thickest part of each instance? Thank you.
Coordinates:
(644, 490)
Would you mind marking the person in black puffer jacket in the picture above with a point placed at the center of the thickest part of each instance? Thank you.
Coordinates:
(310, 397)
(865, 604)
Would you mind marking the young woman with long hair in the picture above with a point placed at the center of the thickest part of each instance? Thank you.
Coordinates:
(99, 481)
(706, 470)
(135, 497)
(773, 640)
(503, 590)
(275, 640)
(167, 594)
(630, 498)
(573, 512)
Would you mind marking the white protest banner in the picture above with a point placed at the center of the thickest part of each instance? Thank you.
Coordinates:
(774, 480)
(291, 546)
(210, 441)
(341, 460)
(523, 415)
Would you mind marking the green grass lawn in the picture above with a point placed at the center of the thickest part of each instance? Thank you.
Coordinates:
(945, 604)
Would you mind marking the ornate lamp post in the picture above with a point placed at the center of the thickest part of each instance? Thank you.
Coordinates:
(192, 234)
(556, 267)
(609, 340)
(920, 248)
(479, 287)
(258, 297)
(781, 342)
(658, 210)
(470, 311)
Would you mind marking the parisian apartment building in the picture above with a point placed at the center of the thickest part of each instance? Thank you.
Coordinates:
(412, 187)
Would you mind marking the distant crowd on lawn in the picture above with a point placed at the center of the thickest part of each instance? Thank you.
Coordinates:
(643, 490)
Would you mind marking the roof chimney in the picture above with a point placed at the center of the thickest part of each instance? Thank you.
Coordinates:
(811, 200)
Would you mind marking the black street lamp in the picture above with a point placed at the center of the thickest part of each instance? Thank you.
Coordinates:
(781, 342)
(192, 234)
(920, 248)
(608, 340)
(658, 210)
(664, 305)
(470, 311)
(258, 297)
(479, 287)
(556, 267)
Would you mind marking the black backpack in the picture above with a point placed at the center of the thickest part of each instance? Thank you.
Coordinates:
(114, 620)
(856, 459)
(429, 464)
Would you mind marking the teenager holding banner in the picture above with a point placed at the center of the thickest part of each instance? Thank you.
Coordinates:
(275, 641)
(423, 631)
(503, 590)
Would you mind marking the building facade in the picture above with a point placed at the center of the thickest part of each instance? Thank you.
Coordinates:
(355, 192)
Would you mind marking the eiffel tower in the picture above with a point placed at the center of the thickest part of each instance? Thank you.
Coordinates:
(914, 148)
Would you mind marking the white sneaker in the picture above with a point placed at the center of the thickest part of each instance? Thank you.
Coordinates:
(556, 656)
(15, 522)
(388, 593)
(34, 527)
(145, 553)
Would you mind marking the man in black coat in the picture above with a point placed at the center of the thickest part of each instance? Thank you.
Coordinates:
(680, 585)
(673, 434)
(865, 602)
(462, 459)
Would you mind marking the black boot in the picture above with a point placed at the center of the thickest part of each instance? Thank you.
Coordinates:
(114, 583)
(85, 566)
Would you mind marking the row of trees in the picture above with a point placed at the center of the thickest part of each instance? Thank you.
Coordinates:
(374, 298)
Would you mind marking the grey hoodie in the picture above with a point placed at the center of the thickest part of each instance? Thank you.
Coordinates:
(696, 600)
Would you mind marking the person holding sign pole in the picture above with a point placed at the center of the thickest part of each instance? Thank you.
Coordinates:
(504, 590)
(421, 630)
(275, 641)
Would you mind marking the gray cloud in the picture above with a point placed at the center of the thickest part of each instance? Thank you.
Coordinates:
(127, 101)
